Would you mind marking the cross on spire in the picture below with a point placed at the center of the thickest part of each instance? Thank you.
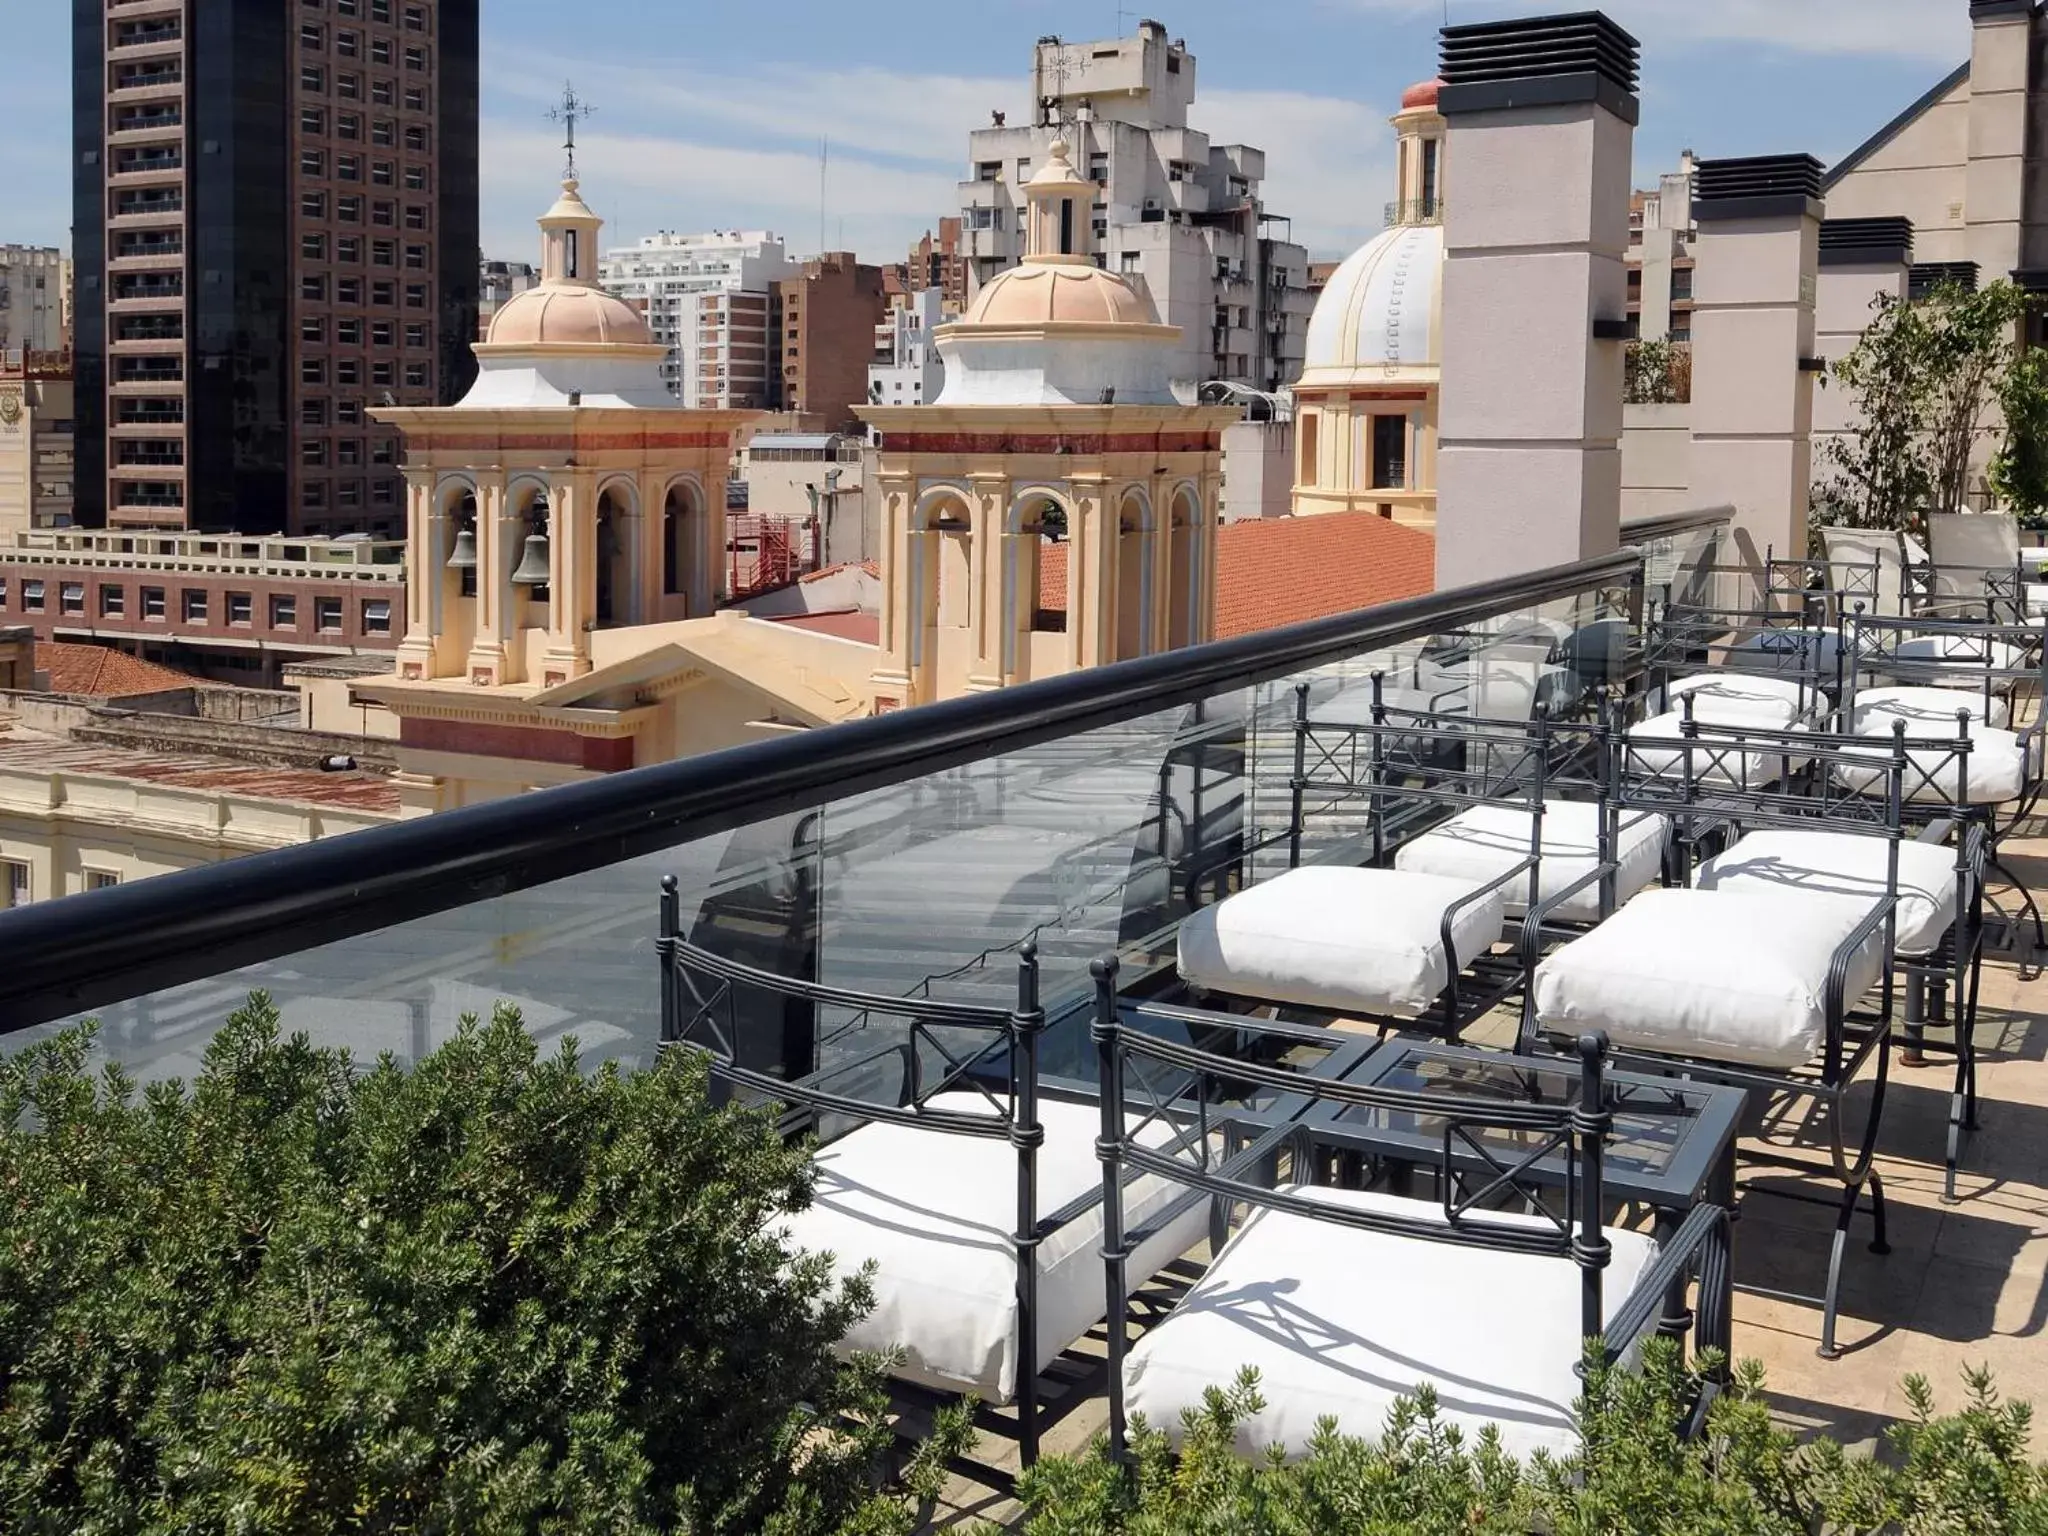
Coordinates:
(572, 107)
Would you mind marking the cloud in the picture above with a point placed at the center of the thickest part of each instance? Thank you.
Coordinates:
(1915, 29)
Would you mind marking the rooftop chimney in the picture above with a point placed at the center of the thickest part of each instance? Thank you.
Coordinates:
(1860, 261)
(1541, 116)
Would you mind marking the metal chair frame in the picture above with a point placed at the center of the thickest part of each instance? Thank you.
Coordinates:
(1574, 1230)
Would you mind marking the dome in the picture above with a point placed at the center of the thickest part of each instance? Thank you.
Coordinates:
(1380, 311)
(1421, 94)
(1059, 295)
(567, 314)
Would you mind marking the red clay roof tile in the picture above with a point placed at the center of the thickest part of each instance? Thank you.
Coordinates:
(101, 672)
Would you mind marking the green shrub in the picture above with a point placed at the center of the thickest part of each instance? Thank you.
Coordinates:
(491, 1294)
(1634, 1474)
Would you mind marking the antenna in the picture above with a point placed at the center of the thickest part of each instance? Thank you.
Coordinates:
(824, 160)
(1122, 11)
(1062, 70)
(572, 107)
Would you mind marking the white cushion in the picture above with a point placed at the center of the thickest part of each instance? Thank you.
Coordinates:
(2037, 599)
(1484, 842)
(1342, 1322)
(1848, 865)
(1715, 756)
(1926, 711)
(1963, 657)
(1996, 770)
(1737, 976)
(935, 1212)
(1331, 937)
(1746, 694)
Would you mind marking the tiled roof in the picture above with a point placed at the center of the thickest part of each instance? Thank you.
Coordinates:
(101, 672)
(340, 791)
(1284, 570)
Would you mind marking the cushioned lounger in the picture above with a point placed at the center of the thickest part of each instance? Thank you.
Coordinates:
(1850, 865)
(1332, 937)
(1485, 842)
(935, 1213)
(1341, 1322)
(1736, 976)
(1967, 655)
(1926, 711)
(1996, 770)
(1748, 694)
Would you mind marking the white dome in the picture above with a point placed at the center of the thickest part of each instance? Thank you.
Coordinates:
(1381, 309)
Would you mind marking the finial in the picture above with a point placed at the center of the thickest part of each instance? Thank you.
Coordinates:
(1060, 148)
(572, 107)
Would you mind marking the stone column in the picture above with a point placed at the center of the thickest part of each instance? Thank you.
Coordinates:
(1861, 261)
(425, 546)
(1753, 347)
(1091, 574)
(891, 679)
(1994, 187)
(572, 577)
(1541, 118)
(987, 570)
(498, 539)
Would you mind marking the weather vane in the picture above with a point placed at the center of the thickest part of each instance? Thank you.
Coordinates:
(572, 108)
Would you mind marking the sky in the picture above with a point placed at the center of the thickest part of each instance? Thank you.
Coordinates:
(710, 113)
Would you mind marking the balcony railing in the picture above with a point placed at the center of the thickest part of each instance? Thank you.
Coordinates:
(902, 854)
(1424, 210)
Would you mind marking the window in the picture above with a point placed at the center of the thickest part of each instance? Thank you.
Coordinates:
(416, 258)
(348, 452)
(284, 610)
(384, 451)
(312, 162)
(1681, 284)
(313, 452)
(382, 173)
(416, 60)
(113, 602)
(312, 78)
(327, 615)
(415, 178)
(313, 412)
(71, 597)
(380, 10)
(313, 247)
(312, 36)
(349, 413)
(347, 125)
(349, 332)
(381, 373)
(376, 616)
(1681, 332)
(312, 370)
(348, 86)
(415, 18)
(313, 495)
(1389, 452)
(415, 375)
(313, 329)
(348, 167)
(1430, 149)
(415, 216)
(384, 493)
(312, 120)
(346, 44)
(349, 208)
(383, 134)
(153, 602)
(349, 493)
(3, 592)
(416, 333)
(380, 50)
(380, 333)
(14, 887)
(348, 290)
(383, 93)
(383, 253)
(193, 604)
(416, 139)
(347, 371)
(348, 248)
(415, 295)
(989, 170)
(241, 608)
(32, 596)
(415, 98)
(313, 287)
(100, 879)
(1311, 434)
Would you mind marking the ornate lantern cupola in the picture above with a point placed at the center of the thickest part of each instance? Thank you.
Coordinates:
(1060, 222)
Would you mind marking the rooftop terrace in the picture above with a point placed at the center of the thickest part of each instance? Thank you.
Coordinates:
(889, 874)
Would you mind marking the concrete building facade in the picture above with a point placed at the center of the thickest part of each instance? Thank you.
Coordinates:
(34, 283)
(1180, 217)
(825, 334)
(907, 369)
(275, 215)
(667, 276)
(38, 441)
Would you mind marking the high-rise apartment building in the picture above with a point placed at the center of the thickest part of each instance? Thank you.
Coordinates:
(667, 275)
(734, 351)
(935, 262)
(1178, 216)
(907, 369)
(827, 337)
(275, 211)
(32, 283)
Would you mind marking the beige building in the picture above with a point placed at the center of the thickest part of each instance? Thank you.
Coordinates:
(35, 299)
(1365, 431)
(38, 442)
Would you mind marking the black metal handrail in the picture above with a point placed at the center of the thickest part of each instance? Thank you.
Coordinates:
(65, 957)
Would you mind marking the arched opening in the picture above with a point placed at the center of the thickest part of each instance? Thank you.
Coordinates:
(1043, 563)
(942, 598)
(618, 600)
(682, 546)
(1133, 577)
(459, 534)
(1184, 570)
(523, 558)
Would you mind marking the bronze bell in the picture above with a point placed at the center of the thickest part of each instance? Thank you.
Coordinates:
(463, 556)
(533, 563)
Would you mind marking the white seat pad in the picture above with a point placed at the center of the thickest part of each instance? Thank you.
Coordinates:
(1740, 695)
(1484, 842)
(1963, 658)
(1331, 937)
(935, 1212)
(1926, 711)
(1848, 865)
(1738, 976)
(1716, 757)
(1996, 770)
(1342, 1322)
